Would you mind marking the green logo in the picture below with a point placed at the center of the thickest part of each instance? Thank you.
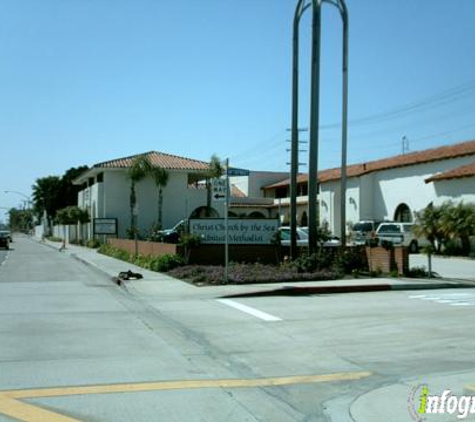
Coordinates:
(423, 399)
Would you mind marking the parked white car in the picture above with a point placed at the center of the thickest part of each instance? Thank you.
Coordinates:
(302, 237)
(400, 234)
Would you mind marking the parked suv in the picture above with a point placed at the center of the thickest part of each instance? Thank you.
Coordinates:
(363, 232)
(400, 234)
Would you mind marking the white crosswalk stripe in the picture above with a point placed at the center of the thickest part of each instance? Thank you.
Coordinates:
(451, 299)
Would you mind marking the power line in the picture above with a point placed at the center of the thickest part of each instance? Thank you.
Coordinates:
(433, 101)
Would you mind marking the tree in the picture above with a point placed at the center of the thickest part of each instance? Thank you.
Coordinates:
(53, 193)
(47, 195)
(160, 177)
(429, 225)
(215, 170)
(140, 168)
(447, 221)
(69, 191)
(71, 215)
(20, 220)
(458, 221)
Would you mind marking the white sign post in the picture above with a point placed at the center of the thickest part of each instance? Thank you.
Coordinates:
(226, 212)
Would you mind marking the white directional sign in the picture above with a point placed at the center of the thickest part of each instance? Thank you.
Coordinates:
(219, 190)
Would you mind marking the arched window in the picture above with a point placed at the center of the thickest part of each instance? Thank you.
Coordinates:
(304, 219)
(256, 214)
(403, 214)
(204, 212)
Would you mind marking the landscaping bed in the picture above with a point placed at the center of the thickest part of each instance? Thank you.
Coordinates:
(248, 273)
(325, 264)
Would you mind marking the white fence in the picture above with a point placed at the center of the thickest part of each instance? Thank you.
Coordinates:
(72, 233)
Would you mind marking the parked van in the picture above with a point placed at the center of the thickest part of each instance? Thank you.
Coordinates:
(363, 232)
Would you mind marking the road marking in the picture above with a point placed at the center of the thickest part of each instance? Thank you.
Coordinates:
(249, 310)
(28, 412)
(11, 406)
(451, 299)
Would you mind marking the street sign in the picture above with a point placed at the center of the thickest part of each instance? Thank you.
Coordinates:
(219, 191)
(237, 172)
(105, 226)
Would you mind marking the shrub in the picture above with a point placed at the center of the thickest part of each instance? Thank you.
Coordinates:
(323, 258)
(417, 272)
(161, 263)
(93, 243)
(350, 260)
(165, 263)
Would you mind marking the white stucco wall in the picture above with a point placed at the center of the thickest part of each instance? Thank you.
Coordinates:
(327, 194)
(455, 190)
(377, 195)
(407, 185)
(111, 199)
(252, 185)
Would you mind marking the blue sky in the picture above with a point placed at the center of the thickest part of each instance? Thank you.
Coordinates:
(82, 81)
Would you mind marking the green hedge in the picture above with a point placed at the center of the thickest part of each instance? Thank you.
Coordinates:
(162, 263)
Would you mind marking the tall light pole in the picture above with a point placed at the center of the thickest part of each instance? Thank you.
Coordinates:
(27, 201)
(314, 121)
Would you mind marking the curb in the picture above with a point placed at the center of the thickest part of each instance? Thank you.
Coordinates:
(358, 288)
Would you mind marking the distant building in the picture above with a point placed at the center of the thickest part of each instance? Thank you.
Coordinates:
(388, 189)
(105, 193)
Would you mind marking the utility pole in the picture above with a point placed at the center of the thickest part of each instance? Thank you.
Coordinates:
(405, 144)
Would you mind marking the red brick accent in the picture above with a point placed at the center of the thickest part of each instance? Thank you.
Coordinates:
(203, 254)
(145, 248)
(388, 260)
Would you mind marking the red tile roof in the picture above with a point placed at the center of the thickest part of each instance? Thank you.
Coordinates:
(467, 170)
(236, 192)
(418, 157)
(158, 159)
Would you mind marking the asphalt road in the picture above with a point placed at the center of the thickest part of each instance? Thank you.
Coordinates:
(74, 346)
(3, 255)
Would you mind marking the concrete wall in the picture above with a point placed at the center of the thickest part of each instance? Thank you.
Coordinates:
(252, 185)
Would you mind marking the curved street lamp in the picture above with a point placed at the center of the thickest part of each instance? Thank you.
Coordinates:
(301, 7)
(28, 199)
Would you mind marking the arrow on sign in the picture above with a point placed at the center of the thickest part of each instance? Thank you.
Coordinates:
(219, 196)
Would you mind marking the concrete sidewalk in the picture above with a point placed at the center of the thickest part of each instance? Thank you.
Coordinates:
(401, 401)
(154, 283)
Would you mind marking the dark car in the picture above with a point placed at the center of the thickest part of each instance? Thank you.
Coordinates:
(172, 235)
(5, 239)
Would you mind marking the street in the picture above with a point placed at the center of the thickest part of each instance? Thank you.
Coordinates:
(76, 347)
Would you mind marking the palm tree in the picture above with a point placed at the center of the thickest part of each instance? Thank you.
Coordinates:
(215, 170)
(160, 177)
(459, 222)
(140, 168)
(428, 225)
